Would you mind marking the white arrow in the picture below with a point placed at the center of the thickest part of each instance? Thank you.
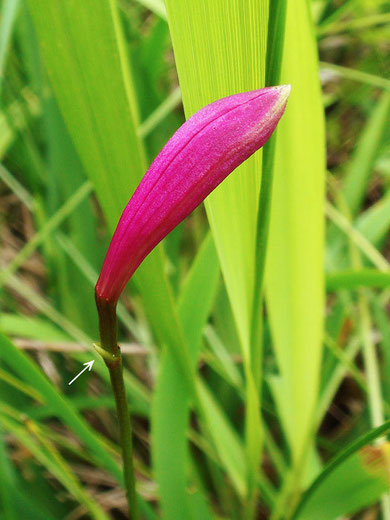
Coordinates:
(87, 366)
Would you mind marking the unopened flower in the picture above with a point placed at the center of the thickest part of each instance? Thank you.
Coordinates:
(197, 158)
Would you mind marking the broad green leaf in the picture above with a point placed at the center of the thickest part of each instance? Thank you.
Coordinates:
(79, 46)
(295, 278)
(83, 50)
(220, 50)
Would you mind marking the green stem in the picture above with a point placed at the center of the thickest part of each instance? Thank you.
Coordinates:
(276, 24)
(125, 431)
(110, 351)
(275, 41)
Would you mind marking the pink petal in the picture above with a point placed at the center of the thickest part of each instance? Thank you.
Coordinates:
(197, 158)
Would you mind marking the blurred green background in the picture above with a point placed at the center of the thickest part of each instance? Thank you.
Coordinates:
(89, 94)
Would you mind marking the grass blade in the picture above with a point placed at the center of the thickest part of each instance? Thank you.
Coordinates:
(29, 372)
(171, 401)
(352, 279)
(366, 153)
(51, 225)
(362, 441)
(357, 75)
(9, 10)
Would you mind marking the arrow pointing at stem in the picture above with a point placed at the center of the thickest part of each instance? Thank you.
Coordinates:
(88, 366)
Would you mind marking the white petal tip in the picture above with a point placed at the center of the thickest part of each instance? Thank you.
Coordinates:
(285, 90)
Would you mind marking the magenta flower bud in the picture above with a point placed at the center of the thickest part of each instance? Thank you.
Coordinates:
(197, 158)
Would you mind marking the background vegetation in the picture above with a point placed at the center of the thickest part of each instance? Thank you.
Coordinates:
(89, 94)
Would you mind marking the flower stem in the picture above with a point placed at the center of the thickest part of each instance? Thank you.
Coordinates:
(110, 351)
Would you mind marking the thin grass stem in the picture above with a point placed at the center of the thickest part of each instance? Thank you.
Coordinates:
(357, 75)
(109, 350)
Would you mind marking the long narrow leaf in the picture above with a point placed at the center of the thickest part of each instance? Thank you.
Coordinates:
(220, 50)
(171, 400)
